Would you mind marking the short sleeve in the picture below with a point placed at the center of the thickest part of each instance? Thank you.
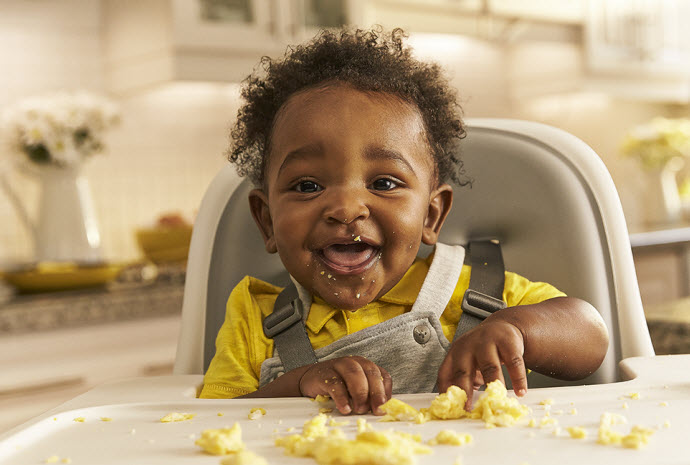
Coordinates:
(519, 290)
(232, 371)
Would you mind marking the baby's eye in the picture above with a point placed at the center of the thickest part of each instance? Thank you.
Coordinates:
(384, 184)
(307, 187)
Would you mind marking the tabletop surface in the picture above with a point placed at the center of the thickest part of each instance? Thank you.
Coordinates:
(135, 433)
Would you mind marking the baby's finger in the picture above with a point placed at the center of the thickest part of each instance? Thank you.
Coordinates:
(356, 382)
(387, 383)
(463, 377)
(515, 364)
(489, 363)
(336, 388)
(377, 390)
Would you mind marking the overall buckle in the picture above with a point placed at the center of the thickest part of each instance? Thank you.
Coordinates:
(480, 305)
(283, 318)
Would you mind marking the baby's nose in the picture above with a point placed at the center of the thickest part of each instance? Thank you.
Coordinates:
(345, 206)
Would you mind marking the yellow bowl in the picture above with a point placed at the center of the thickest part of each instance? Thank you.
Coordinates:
(165, 243)
(47, 277)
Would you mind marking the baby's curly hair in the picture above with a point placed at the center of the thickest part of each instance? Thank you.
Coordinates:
(369, 61)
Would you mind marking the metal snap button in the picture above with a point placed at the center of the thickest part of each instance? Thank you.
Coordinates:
(421, 334)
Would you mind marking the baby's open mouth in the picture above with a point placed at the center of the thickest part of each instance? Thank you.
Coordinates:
(349, 258)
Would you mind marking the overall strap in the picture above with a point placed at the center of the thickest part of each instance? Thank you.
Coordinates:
(286, 326)
(485, 293)
(439, 283)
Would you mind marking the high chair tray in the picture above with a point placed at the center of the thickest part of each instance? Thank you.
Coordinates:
(135, 433)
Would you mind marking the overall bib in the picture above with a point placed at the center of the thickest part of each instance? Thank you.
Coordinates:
(411, 346)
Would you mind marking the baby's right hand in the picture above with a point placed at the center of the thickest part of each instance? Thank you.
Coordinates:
(355, 384)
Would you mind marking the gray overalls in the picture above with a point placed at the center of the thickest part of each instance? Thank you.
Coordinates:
(411, 346)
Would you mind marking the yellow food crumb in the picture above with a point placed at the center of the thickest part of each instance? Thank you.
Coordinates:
(325, 410)
(495, 408)
(363, 425)
(449, 405)
(577, 432)
(66, 460)
(663, 404)
(80, 419)
(291, 429)
(323, 272)
(256, 413)
(368, 447)
(573, 411)
(221, 441)
(52, 459)
(106, 419)
(451, 438)
(397, 410)
(667, 424)
(548, 401)
(358, 239)
(606, 435)
(625, 405)
(635, 395)
(220, 414)
(548, 421)
(54, 418)
(532, 423)
(176, 416)
(243, 457)
(322, 399)
(638, 437)
(334, 422)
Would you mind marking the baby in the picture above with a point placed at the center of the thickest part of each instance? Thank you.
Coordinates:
(351, 143)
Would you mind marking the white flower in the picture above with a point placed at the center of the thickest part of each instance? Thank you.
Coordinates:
(60, 129)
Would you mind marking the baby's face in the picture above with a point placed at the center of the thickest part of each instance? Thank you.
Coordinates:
(351, 193)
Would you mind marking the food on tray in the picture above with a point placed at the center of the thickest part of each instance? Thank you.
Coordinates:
(331, 447)
(221, 441)
(80, 419)
(176, 416)
(638, 436)
(449, 405)
(243, 457)
(577, 432)
(106, 419)
(450, 438)
(397, 410)
(546, 402)
(495, 408)
(256, 413)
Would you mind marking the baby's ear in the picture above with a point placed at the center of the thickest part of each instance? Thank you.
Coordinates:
(441, 200)
(258, 204)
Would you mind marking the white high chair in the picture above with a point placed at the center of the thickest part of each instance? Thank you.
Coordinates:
(542, 192)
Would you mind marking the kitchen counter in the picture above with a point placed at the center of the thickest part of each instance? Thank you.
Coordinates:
(135, 434)
(127, 298)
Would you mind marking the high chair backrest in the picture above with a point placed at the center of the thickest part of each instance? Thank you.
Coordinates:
(542, 192)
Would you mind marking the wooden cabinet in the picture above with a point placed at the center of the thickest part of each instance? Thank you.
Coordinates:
(41, 370)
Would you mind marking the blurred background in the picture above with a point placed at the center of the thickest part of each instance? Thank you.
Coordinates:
(169, 72)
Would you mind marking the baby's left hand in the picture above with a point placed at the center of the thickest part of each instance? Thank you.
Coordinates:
(485, 348)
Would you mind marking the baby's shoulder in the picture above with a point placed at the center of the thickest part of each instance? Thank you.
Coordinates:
(255, 293)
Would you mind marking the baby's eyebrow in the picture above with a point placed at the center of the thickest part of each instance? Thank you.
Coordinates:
(380, 153)
(305, 151)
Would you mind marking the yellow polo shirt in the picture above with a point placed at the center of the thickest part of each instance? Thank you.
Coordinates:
(241, 345)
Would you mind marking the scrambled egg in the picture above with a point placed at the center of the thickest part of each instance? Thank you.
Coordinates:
(221, 441)
(80, 419)
(256, 413)
(451, 438)
(244, 457)
(369, 447)
(495, 408)
(175, 416)
(577, 432)
(449, 405)
(638, 436)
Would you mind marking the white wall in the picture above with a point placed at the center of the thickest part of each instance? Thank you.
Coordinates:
(172, 139)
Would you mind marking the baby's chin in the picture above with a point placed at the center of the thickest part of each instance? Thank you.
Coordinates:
(347, 300)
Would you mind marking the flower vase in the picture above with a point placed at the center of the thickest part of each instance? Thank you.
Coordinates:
(663, 200)
(66, 228)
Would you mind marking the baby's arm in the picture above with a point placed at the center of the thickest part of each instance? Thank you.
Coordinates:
(563, 337)
(354, 383)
